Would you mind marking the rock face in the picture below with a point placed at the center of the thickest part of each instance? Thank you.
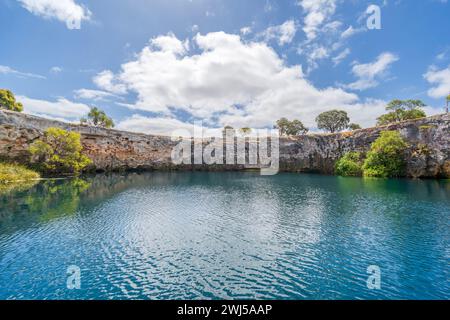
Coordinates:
(427, 157)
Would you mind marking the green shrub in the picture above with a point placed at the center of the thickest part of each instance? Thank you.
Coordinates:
(98, 118)
(350, 165)
(59, 151)
(386, 156)
(11, 173)
(354, 126)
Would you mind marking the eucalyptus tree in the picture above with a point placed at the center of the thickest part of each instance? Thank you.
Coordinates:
(290, 128)
(98, 118)
(333, 121)
(401, 110)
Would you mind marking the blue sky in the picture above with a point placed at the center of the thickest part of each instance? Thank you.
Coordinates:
(159, 65)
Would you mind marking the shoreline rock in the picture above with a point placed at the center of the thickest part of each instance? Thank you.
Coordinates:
(111, 150)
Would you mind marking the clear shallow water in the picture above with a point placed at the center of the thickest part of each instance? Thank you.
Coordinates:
(226, 235)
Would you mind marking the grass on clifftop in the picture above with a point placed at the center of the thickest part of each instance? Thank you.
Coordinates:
(13, 173)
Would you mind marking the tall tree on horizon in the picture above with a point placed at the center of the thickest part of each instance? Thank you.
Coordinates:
(290, 128)
(333, 121)
(401, 110)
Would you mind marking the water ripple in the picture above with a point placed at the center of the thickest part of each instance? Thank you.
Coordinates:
(229, 236)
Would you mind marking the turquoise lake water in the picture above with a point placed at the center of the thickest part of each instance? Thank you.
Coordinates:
(226, 235)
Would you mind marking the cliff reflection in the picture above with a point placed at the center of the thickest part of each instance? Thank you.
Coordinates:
(40, 202)
(304, 195)
(23, 205)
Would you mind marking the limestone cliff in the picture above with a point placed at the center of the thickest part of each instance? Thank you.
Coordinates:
(427, 157)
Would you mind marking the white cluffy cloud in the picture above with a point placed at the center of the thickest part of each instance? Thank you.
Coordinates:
(8, 70)
(89, 94)
(227, 81)
(105, 80)
(283, 33)
(163, 126)
(341, 56)
(317, 13)
(246, 30)
(350, 31)
(63, 10)
(441, 80)
(56, 70)
(326, 35)
(61, 109)
(369, 74)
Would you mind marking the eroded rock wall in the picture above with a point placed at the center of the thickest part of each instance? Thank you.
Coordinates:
(427, 157)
